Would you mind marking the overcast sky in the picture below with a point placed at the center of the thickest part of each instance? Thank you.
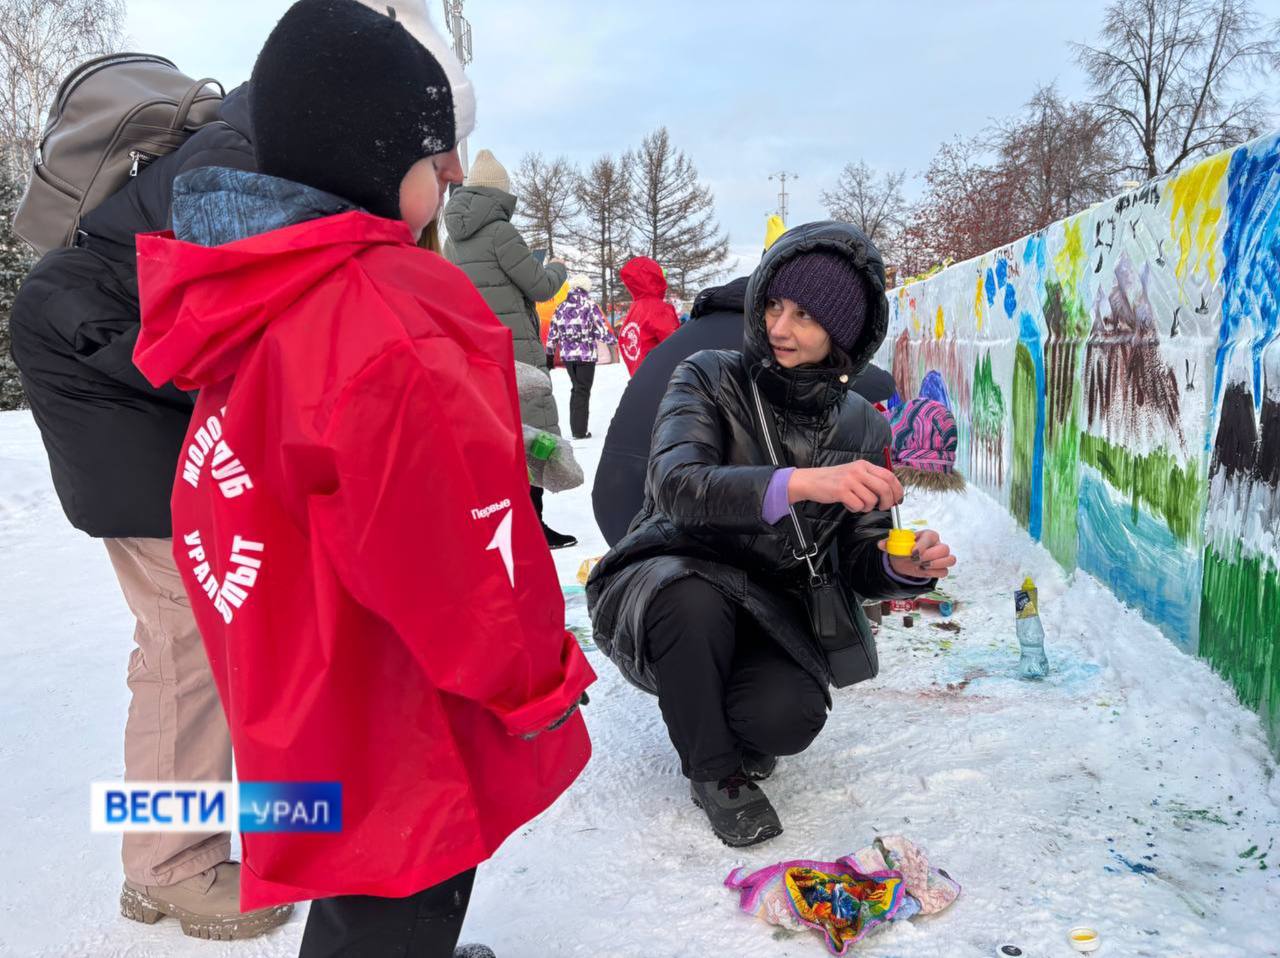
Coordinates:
(746, 88)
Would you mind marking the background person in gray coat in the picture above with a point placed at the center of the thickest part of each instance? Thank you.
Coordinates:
(484, 245)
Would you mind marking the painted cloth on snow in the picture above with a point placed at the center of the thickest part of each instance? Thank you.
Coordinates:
(577, 326)
(835, 898)
(889, 880)
(933, 888)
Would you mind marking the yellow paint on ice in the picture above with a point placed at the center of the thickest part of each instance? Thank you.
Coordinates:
(1070, 260)
(939, 326)
(979, 300)
(1198, 198)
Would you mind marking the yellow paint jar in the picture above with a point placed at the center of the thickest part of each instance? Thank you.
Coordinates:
(1084, 940)
(902, 542)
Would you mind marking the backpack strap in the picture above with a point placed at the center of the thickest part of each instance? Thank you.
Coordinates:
(188, 101)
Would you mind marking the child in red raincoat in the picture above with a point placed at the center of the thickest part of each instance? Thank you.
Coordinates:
(351, 515)
(651, 319)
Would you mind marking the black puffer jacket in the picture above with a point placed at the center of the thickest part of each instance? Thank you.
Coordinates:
(113, 440)
(714, 323)
(708, 472)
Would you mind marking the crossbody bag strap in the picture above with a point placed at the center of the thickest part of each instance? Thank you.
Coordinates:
(804, 546)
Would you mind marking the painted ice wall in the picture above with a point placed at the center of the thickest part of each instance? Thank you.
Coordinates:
(1116, 383)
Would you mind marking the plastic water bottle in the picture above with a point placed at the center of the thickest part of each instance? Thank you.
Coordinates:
(1034, 664)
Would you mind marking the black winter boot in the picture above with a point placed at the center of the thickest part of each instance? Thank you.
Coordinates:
(473, 951)
(740, 814)
(558, 540)
(758, 766)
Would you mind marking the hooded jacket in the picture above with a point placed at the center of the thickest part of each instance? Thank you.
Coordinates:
(714, 323)
(359, 630)
(577, 327)
(484, 245)
(112, 439)
(651, 319)
(708, 472)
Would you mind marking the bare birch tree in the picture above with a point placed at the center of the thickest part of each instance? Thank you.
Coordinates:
(872, 202)
(1167, 73)
(41, 41)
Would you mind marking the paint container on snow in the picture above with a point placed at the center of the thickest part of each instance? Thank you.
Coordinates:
(1010, 951)
(1084, 939)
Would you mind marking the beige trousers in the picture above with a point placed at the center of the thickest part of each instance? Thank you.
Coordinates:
(176, 729)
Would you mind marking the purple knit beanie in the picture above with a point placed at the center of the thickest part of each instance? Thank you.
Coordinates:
(829, 288)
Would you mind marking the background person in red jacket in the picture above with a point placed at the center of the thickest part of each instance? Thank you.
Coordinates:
(651, 319)
(408, 646)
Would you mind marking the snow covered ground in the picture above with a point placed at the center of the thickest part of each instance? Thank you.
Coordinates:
(1128, 791)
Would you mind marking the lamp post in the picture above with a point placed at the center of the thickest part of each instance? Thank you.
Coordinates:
(782, 193)
(459, 28)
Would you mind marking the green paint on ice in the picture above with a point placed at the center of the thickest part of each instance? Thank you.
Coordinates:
(1172, 490)
(1024, 436)
(987, 408)
(1240, 629)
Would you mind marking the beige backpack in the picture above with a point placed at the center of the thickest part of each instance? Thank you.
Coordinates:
(112, 116)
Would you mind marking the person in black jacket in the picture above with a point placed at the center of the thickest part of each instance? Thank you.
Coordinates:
(113, 443)
(714, 323)
(700, 602)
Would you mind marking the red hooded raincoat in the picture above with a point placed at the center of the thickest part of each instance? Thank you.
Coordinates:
(353, 524)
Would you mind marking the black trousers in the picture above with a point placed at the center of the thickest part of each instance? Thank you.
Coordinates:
(583, 376)
(725, 686)
(425, 925)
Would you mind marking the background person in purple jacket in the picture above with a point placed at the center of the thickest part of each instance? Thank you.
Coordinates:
(576, 328)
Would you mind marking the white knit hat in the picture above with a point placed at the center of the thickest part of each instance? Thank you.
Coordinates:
(580, 281)
(487, 171)
(412, 15)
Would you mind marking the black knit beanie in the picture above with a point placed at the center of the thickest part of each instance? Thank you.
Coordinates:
(345, 100)
(829, 288)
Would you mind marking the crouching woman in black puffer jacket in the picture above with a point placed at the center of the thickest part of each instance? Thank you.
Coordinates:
(702, 602)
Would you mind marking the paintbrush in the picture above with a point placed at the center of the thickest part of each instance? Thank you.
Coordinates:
(902, 542)
(888, 464)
